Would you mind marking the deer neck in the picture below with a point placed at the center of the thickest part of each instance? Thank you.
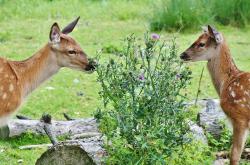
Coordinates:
(36, 69)
(222, 67)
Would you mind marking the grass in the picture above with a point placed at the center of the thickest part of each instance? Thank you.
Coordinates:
(24, 29)
(174, 15)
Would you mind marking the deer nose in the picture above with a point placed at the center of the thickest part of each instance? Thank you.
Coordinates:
(184, 56)
(92, 65)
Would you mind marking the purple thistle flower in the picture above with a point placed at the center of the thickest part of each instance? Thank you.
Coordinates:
(178, 76)
(155, 36)
(141, 77)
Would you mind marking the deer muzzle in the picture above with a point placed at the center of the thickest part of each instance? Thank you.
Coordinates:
(92, 65)
(184, 56)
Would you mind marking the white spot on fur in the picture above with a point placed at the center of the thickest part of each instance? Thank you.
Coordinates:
(11, 87)
(242, 105)
(4, 96)
(244, 99)
(233, 94)
(246, 93)
(237, 101)
(230, 88)
(241, 87)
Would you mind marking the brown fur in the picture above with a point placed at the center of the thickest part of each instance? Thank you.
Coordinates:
(231, 84)
(20, 78)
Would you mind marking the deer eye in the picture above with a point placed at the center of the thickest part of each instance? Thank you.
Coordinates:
(201, 44)
(72, 52)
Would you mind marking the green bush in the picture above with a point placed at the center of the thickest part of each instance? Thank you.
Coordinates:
(191, 154)
(190, 14)
(223, 142)
(143, 115)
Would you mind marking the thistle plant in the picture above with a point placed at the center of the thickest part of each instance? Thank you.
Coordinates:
(142, 91)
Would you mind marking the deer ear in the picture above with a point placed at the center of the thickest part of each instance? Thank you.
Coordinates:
(214, 34)
(54, 35)
(70, 27)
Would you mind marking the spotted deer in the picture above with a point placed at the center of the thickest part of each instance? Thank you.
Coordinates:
(231, 84)
(19, 78)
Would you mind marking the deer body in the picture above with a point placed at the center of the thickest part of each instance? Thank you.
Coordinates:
(19, 78)
(231, 84)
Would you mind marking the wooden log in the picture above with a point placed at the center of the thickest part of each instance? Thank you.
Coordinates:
(80, 152)
(16, 127)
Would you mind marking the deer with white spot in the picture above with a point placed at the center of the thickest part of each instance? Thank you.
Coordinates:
(231, 84)
(19, 78)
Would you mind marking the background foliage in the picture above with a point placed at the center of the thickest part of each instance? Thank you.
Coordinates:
(172, 15)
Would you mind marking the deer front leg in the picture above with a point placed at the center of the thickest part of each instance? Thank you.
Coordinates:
(240, 132)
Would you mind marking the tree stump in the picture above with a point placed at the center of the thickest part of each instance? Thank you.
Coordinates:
(76, 152)
(66, 153)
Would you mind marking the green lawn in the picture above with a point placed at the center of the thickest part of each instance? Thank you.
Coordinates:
(24, 29)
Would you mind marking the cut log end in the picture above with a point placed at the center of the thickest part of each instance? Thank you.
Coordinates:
(64, 154)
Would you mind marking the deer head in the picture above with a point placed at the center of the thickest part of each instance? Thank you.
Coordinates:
(205, 47)
(68, 52)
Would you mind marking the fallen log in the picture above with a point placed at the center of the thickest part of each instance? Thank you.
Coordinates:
(17, 127)
(79, 152)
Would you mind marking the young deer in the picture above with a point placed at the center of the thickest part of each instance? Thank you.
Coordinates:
(20, 78)
(231, 84)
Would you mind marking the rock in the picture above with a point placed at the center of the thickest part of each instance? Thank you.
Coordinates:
(221, 162)
(197, 132)
(80, 94)
(211, 117)
(20, 161)
(49, 88)
(76, 81)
